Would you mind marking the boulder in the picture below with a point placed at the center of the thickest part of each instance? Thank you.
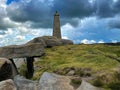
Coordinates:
(37, 40)
(18, 51)
(66, 42)
(24, 84)
(6, 69)
(50, 41)
(7, 85)
(50, 81)
(87, 86)
(47, 41)
(71, 72)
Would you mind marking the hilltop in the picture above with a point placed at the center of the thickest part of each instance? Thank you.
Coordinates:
(98, 64)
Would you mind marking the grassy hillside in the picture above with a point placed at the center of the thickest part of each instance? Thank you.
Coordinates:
(100, 61)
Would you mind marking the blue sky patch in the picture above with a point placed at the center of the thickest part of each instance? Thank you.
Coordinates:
(10, 1)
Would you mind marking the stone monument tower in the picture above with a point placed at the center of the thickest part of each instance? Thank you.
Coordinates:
(56, 27)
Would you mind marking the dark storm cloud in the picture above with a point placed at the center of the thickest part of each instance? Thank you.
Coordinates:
(73, 8)
(87, 8)
(42, 24)
(4, 25)
(40, 13)
(104, 8)
(117, 6)
(114, 24)
(33, 11)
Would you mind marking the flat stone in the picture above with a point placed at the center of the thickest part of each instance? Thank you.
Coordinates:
(87, 86)
(50, 81)
(71, 72)
(24, 84)
(18, 51)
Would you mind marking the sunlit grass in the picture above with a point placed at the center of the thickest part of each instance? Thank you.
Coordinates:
(103, 60)
(80, 56)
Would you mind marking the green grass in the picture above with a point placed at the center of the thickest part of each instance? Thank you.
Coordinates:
(87, 56)
(98, 58)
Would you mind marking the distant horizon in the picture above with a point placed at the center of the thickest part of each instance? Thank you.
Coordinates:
(83, 21)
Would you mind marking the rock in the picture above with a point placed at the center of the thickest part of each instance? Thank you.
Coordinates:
(71, 72)
(17, 51)
(24, 84)
(87, 86)
(50, 81)
(66, 42)
(6, 69)
(50, 41)
(47, 41)
(37, 40)
(7, 85)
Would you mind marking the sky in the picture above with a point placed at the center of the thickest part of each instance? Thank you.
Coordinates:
(83, 21)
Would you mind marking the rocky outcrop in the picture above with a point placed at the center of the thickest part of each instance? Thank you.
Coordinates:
(87, 86)
(37, 40)
(50, 41)
(66, 42)
(6, 69)
(47, 41)
(17, 51)
(33, 48)
(50, 81)
(7, 85)
(24, 84)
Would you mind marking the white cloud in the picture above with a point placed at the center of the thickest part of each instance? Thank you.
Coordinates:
(9, 31)
(83, 23)
(115, 0)
(101, 41)
(69, 31)
(85, 41)
(2, 36)
(23, 30)
(65, 37)
(91, 1)
(19, 37)
(22, 35)
(67, 26)
(3, 8)
(114, 41)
